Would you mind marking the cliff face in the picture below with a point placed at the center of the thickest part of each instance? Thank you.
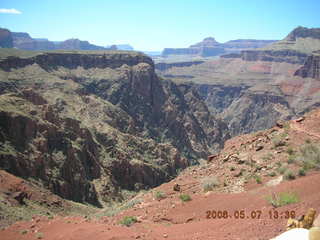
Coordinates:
(87, 125)
(242, 110)
(210, 47)
(311, 68)
(166, 66)
(295, 48)
(6, 40)
(289, 56)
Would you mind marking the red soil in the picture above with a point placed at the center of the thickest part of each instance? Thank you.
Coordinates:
(170, 218)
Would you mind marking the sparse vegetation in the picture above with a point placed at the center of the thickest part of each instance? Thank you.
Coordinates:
(291, 159)
(209, 183)
(289, 175)
(282, 199)
(39, 235)
(309, 156)
(272, 174)
(128, 220)
(258, 179)
(282, 170)
(24, 231)
(302, 172)
(278, 142)
(290, 151)
(185, 197)
(159, 195)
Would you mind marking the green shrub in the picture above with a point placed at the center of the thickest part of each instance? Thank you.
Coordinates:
(159, 195)
(282, 170)
(258, 179)
(39, 235)
(128, 220)
(290, 151)
(24, 231)
(309, 156)
(272, 174)
(302, 172)
(289, 175)
(185, 197)
(209, 183)
(291, 159)
(283, 199)
(278, 142)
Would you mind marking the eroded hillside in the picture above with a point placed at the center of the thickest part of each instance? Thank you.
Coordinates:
(88, 125)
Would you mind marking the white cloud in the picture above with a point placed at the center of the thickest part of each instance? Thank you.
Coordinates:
(10, 11)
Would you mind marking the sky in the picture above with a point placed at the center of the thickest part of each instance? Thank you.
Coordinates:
(152, 25)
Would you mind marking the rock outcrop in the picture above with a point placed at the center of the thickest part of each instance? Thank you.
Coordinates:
(311, 68)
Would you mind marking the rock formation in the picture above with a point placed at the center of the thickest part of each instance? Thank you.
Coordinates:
(295, 48)
(311, 67)
(87, 125)
(6, 40)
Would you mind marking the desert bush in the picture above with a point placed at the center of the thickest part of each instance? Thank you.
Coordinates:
(209, 183)
(282, 170)
(290, 151)
(289, 175)
(159, 195)
(258, 179)
(185, 197)
(128, 220)
(291, 159)
(282, 199)
(309, 156)
(278, 142)
(302, 172)
(272, 174)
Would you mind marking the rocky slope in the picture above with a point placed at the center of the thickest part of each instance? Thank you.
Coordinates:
(89, 125)
(295, 48)
(247, 181)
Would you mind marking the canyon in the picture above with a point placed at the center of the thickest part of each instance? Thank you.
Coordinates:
(84, 131)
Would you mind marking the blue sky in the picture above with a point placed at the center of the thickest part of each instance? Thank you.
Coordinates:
(155, 24)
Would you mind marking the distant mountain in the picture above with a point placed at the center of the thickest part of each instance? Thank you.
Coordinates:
(24, 41)
(125, 47)
(76, 44)
(210, 47)
(6, 40)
